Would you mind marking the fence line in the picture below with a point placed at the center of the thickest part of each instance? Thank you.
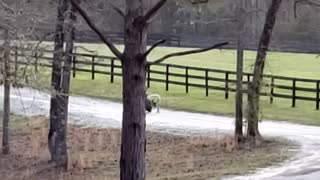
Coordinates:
(171, 74)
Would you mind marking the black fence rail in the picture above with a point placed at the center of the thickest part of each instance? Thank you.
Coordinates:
(209, 80)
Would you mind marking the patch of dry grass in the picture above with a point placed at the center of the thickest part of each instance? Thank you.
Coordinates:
(94, 154)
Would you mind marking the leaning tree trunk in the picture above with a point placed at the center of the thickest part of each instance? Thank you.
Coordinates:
(255, 85)
(57, 132)
(6, 103)
(133, 146)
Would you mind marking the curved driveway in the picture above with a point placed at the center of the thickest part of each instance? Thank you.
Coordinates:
(103, 113)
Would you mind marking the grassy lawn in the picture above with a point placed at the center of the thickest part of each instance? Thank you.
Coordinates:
(284, 64)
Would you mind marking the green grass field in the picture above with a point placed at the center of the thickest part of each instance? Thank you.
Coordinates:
(284, 64)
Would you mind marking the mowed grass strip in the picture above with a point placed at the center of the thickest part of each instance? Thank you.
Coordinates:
(282, 64)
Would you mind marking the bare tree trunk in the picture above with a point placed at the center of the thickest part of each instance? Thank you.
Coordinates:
(63, 95)
(6, 104)
(239, 94)
(69, 38)
(133, 147)
(57, 132)
(134, 63)
(239, 97)
(255, 85)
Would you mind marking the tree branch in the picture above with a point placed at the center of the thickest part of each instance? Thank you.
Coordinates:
(6, 7)
(187, 53)
(153, 10)
(113, 49)
(153, 47)
(118, 10)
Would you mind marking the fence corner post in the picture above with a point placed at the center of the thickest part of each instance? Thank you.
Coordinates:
(207, 82)
(318, 96)
(112, 71)
(294, 83)
(272, 90)
(93, 68)
(167, 77)
(227, 86)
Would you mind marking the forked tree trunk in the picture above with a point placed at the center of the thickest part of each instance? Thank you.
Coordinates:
(134, 63)
(133, 145)
(6, 103)
(57, 132)
(255, 85)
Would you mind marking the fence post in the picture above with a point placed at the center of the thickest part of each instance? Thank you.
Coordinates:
(36, 61)
(93, 68)
(112, 71)
(187, 79)
(318, 96)
(167, 77)
(207, 82)
(74, 65)
(294, 92)
(272, 90)
(15, 63)
(148, 80)
(227, 86)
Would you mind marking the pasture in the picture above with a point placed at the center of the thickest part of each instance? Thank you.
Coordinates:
(282, 64)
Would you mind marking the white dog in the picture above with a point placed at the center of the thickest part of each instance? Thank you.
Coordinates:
(155, 100)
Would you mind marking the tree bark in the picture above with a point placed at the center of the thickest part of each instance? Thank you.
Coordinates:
(69, 38)
(255, 86)
(134, 63)
(133, 145)
(239, 94)
(6, 103)
(239, 99)
(57, 132)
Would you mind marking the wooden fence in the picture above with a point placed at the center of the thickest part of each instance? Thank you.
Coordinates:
(204, 78)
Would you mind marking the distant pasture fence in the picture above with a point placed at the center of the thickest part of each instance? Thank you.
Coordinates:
(196, 77)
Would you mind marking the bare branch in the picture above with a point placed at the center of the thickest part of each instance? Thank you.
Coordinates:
(44, 38)
(153, 10)
(7, 8)
(118, 10)
(154, 46)
(113, 49)
(7, 27)
(188, 52)
(304, 2)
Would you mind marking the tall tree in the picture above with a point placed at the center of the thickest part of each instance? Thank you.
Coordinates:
(137, 18)
(6, 81)
(69, 41)
(239, 93)
(14, 74)
(255, 86)
(57, 137)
